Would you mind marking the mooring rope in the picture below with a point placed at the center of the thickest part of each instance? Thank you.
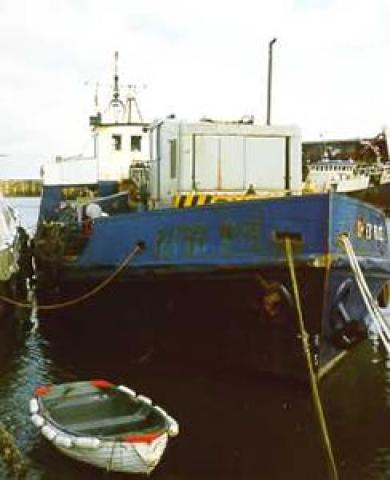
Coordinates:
(306, 349)
(81, 298)
(371, 305)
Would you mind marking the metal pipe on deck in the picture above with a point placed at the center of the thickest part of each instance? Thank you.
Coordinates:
(269, 89)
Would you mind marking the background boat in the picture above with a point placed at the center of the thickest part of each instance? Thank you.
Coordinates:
(357, 167)
(15, 256)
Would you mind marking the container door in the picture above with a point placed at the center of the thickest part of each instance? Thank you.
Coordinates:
(232, 163)
(265, 160)
(206, 158)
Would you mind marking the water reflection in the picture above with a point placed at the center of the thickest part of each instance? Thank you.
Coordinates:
(28, 367)
(381, 464)
(233, 424)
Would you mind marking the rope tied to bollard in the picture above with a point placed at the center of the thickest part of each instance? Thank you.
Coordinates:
(139, 247)
(306, 349)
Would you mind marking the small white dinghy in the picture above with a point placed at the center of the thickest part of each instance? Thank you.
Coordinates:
(102, 424)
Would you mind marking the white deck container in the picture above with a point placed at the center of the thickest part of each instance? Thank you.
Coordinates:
(223, 157)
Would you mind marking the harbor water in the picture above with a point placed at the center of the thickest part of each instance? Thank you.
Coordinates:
(233, 425)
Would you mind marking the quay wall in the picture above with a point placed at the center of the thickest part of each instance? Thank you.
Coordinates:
(21, 188)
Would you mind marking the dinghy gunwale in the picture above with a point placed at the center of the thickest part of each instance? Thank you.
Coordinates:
(50, 394)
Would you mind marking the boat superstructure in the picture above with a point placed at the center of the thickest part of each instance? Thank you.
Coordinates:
(337, 175)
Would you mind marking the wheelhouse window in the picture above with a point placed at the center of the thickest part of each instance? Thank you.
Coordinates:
(135, 143)
(117, 142)
(172, 154)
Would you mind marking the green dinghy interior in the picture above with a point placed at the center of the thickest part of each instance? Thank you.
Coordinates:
(99, 408)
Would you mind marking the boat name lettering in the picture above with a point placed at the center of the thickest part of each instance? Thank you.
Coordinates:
(181, 240)
(247, 233)
(369, 231)
(192, 240)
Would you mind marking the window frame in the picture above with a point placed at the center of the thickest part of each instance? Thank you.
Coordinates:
(117, 142)
(173, 158)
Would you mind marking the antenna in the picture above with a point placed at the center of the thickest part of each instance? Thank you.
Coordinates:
(96, 96)
(131, 98)
(116, 78)
(116, 103)
(121, 110)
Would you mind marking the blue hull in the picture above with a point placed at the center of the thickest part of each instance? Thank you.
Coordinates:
(217, 276)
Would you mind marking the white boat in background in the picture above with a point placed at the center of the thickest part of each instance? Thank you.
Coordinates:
(342, 176)
(370, 183)
(366, 176)
(13, 240)
(13, 274)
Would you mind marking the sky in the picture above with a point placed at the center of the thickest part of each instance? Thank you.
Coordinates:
(195, 59)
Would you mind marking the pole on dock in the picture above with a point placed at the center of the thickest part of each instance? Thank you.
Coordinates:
(269, 89)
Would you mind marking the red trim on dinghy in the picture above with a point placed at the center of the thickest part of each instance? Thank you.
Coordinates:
(141, 437)
(42, 390)
(101, 383)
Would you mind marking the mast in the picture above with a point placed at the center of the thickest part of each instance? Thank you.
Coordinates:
(116, 103)
(116, 79)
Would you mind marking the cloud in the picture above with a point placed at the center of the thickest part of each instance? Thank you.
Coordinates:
(197, 58)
